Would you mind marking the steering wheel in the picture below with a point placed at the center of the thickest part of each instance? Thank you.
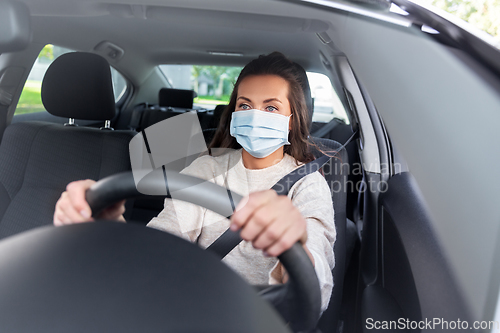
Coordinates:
(298, 300)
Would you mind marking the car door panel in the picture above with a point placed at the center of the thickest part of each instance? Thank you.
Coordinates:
(415, 272)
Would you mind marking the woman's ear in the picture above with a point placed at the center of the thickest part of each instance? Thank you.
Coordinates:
(290, 123)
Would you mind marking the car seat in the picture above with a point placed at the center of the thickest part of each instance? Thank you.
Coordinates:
(174, 102)
(336, 174)
(210, 130)
(38, 159)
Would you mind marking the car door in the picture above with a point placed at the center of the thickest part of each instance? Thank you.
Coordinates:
(403, 279)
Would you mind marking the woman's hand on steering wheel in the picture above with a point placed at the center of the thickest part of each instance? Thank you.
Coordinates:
(258, 215)
(271, 222)
(73, 208)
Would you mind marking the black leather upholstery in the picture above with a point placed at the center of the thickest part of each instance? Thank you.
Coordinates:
(78, 85)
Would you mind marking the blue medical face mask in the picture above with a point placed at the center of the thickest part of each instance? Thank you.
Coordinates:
(260, 133)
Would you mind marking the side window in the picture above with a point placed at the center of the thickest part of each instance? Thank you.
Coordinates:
(30, 100)
(327, 104)
(119, 84)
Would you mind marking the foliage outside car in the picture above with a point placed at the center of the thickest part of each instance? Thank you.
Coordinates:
(47, 53)
(30, 100)
(222, 82)
(483, 14)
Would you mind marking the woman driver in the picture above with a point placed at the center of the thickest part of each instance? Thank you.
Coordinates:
(266, 124)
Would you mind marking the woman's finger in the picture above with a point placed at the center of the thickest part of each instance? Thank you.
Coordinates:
(59, 219)
(271, 219)
(257, 222)
(286, 241)
(113, 212)
(249, 205)
(73, 216)
(76, 192)
(70, 213)
(271, 234)
(296, 232)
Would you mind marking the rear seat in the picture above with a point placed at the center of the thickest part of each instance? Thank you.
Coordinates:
(172, 103)
(216, 114)
(176, 98)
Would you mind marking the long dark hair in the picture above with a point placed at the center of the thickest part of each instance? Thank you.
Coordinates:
(279, 65)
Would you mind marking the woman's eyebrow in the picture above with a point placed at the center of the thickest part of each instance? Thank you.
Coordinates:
(272, 99)
(266, 101)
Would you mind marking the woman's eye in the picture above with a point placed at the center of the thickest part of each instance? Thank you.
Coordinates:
(244, 107)
(271, 108)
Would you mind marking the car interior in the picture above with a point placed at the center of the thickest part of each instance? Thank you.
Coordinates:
(392, 259)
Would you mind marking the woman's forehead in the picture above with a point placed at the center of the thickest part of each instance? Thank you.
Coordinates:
(263, 87)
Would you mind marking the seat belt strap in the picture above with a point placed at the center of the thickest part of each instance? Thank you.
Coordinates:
(283, 186)
(230, 239)
(135, 119)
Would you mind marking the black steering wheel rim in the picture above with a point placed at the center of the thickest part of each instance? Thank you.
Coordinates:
(298, 300)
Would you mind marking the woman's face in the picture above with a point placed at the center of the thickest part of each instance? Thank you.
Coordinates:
(263, 92)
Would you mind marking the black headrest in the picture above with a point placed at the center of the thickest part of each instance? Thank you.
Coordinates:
(78, 85)
(219, 109)
(304, 82)
(177, 98)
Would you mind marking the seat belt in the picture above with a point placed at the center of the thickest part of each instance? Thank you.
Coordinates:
(230, 239)
(135, 119)
(327, 128)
